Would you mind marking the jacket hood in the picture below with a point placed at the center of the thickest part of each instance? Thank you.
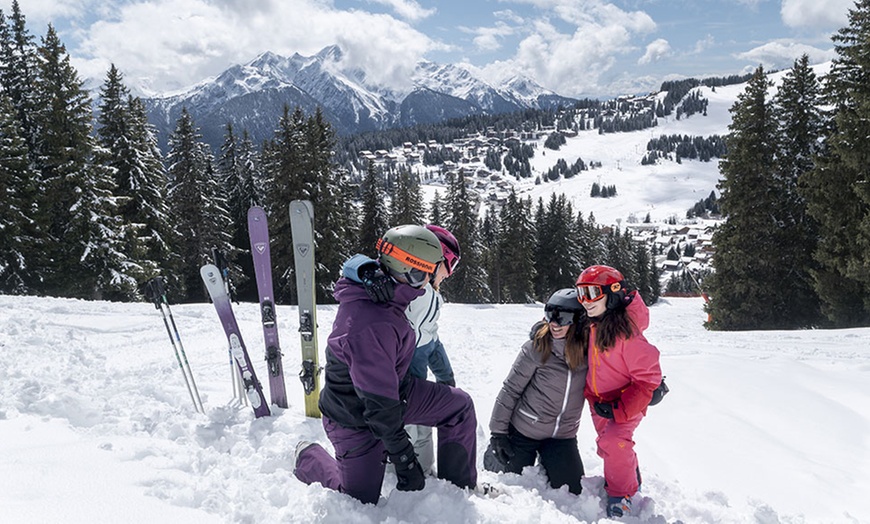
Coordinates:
(638, 312)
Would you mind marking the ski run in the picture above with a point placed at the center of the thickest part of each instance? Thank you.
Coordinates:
(96, 425)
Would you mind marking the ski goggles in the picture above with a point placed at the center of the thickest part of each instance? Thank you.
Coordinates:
(421, 270)
(451, 259)
(589, 293)
(558, 316)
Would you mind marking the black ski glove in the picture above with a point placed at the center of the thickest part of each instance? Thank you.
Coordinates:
(379, 287)
(449, 382)
(408, 470)
(502, 447)
(605, 409)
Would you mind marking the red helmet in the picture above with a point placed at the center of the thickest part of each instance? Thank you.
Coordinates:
(449, 246)
(598, 282)
(600, 275)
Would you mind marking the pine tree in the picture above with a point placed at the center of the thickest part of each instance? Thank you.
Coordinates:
(18, 58)
(196, 209)
(148, 189)
(375, 221)
(78, 209)
(744, 289)
(557, 249)
(286, 179)
(237, 189)
(800, 127)
(18, 190)
(836, 188)
(489, 232)
(589, 240)
(468, 283)
(516, 242)
(131, 152)
(406, 206)
(436, 213)
(335, 219)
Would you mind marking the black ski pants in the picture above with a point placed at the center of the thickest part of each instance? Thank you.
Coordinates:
(560, 459)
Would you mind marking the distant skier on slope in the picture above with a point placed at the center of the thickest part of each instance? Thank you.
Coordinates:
(368, 395)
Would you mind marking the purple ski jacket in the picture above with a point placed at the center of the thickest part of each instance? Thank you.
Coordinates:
(367, 358)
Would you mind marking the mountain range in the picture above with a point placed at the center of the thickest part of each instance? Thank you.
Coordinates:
(252, 96)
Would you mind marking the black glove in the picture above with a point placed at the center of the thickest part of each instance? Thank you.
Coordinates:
(605, 409)
(408, 470)
(379, 287)
(502, 447)
(451, 382)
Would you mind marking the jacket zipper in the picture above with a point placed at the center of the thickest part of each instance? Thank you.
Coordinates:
(564, 405)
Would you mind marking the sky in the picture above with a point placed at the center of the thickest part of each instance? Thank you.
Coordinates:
(575, 48)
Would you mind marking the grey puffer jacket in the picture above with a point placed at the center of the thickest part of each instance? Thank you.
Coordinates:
(541, 399)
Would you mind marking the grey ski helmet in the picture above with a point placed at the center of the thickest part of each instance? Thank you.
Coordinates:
(563, 307)
(411, 251)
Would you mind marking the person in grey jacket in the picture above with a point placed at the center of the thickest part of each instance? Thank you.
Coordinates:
(537, 412)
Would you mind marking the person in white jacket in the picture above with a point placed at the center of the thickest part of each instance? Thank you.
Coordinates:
(422, 313)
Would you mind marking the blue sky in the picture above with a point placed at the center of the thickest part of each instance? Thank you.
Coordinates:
(576, 48)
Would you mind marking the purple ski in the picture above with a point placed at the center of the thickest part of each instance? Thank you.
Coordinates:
(214, 284)
(258, 231)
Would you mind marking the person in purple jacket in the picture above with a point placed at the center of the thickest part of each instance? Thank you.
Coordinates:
(368, 396)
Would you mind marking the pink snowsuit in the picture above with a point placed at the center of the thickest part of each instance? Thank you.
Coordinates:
(628, 372)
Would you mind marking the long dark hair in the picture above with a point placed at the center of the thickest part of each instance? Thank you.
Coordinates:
(575, 355)
(613, 324)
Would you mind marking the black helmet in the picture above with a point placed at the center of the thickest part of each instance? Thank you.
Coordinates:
(563, 307)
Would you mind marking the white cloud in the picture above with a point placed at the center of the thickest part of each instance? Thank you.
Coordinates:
(39, 13)
(655, 51)
(782, 54)
(571, 63)
(490, 38)
(816, 14)
(175, 43)
(704, 44)
(407, 9)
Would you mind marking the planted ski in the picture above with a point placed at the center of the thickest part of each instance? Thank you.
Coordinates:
(302, 228)
(218, 293)
(258, 231)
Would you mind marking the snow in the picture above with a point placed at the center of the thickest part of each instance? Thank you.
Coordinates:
(96, 425)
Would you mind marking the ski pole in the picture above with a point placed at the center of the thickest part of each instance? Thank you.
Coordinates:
(703, 293)
(155, 292)
(198, 400)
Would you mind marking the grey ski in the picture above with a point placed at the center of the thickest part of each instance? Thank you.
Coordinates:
(302, 229)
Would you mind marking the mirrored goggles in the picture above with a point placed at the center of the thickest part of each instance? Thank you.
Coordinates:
(589, 293)
(561, 317)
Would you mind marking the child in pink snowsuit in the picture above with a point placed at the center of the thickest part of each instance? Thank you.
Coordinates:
(623, 373)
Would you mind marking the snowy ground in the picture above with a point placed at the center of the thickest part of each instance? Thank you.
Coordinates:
(96, 426)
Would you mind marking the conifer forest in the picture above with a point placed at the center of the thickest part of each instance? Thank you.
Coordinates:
(91, 208)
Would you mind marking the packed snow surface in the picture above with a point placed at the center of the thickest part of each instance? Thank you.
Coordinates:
(96, 424)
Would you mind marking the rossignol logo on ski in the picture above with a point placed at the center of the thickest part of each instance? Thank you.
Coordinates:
(303, 249)
(260, 247)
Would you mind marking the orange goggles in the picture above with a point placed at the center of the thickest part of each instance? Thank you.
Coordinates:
(404, 257)
(589, 293)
